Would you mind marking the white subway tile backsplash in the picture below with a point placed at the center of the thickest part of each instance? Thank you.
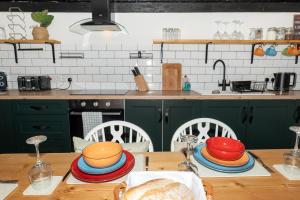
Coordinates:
(91, 70)
(108, 66)
(183, 54)
(107, 70)
(33, 70)
(106, 54)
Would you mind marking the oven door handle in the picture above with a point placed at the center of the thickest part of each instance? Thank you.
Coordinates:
(103, 113)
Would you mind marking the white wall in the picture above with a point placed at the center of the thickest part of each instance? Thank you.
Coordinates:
(107, 62)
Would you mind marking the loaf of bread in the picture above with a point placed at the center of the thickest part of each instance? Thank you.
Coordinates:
(159, 189)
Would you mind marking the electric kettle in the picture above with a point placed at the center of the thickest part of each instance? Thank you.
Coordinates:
(282, 81)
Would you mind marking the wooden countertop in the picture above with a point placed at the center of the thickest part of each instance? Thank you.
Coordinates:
(16, 166)
(155, 94)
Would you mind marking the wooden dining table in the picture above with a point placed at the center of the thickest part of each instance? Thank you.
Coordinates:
(274, 187)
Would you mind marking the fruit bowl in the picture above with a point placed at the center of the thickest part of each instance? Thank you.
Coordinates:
(225, 148)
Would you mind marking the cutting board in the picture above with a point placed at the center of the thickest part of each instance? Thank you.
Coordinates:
(171, 76)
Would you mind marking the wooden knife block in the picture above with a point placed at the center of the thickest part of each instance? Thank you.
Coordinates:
(141, 83)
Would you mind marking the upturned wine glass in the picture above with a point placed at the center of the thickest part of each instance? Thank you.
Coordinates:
(217, 35)
(225, 35)
(40, 175)
(292, 158)
(187, 164)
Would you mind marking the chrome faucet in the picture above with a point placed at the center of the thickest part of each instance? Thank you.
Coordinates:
(224, 74)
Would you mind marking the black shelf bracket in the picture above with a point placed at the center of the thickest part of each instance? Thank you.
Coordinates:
(161, 52)
(15, 50)
(296, 57)
(53, 51)
(206, 51)
(252, 53)
(28, 49)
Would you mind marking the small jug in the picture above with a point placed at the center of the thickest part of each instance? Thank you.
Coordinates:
(292, 50)
(271, 51)
(259, 51)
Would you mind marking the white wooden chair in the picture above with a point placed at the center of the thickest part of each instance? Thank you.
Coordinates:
(116, 129)
(204, 126)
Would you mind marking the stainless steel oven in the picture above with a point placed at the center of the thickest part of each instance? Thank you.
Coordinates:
(111, 109)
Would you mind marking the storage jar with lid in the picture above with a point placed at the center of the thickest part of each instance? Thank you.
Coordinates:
(289, 35)
(281, 33)
(271, 33)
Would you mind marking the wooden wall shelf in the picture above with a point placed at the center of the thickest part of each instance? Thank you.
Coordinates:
(19, 42)
(194, 41)
(208, 42)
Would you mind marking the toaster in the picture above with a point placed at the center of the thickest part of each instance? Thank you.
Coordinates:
(34, 83)
(3, 81)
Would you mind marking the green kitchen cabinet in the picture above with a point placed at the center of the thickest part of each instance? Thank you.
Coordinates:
(7, 143)
(160, 118)
(42, 117)
(231, 112)
(146, 114)
(176, 113)
(260, 124)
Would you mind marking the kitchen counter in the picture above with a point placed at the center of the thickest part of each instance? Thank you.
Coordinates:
(155, 94)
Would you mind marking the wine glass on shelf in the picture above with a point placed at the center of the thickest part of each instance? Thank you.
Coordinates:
(235, 33)
(292, 158)
(225, 35)
(40, 175)
(217, 35)
(187, 164)
(239, 30)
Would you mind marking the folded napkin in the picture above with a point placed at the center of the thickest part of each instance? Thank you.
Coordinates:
(282, 171)
(257, 170)
(138, 166)
(47, 191)
(6, 189)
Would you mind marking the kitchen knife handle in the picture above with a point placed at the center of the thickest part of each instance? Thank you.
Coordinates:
(244, 115)
(134, 72)
(42, 107)
(167, 115)
(137, 70)
(251, 115)
(160, 114)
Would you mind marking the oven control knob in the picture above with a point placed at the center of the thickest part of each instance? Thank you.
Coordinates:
(83, 104)
(95, 104)
(107, 104)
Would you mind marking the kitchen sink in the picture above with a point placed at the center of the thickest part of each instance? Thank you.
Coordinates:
(210, 92)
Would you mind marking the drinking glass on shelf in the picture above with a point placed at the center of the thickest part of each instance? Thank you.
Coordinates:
(217, 35)
(239, 30)
(235, 33)
(292, 158)
(225, 35)
(40, 175)
(187, 164)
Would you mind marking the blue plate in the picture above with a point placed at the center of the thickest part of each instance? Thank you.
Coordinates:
(84, 167)
(198, 156)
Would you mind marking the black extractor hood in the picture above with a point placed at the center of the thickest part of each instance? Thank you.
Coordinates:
(101, 18)
(100, 21)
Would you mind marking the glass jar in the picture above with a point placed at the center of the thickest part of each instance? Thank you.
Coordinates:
(252, 34)
(281, 33)
(289, 34)
(271, 33)
(258, 34)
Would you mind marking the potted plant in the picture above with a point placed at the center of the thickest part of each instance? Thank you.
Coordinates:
(41, 32)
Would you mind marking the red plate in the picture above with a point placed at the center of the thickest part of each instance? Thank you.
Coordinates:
(93, 178)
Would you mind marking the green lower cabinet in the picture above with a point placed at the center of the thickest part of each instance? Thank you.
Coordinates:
(231, 112)
(260, 124)
(146, 114)
(176, 113)
(7, 142)
(42, 117)
(160, 118)
(269, 122)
